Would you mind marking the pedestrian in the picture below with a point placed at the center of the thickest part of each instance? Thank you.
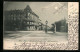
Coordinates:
(53, 28)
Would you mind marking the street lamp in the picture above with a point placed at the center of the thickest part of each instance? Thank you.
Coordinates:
(46, 26)
(46, 22)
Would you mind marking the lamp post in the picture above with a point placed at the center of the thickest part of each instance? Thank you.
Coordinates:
(46, 26)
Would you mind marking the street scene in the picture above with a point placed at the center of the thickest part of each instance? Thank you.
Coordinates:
(35, 22)
(33, 36)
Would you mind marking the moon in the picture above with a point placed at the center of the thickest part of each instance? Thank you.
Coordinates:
(56, 8)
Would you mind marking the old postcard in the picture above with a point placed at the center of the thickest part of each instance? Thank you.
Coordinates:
(40, 25)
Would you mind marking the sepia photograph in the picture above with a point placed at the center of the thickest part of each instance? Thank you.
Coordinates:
(34, 22)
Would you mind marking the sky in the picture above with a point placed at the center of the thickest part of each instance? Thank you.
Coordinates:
(50, 11)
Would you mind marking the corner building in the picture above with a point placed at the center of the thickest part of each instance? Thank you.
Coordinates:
(22, 20)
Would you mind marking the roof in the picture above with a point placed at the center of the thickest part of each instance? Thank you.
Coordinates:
(35, 14)
(28, 8)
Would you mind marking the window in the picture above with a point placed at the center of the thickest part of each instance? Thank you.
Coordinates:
(28, 14)
(27, 22)
(32, 22)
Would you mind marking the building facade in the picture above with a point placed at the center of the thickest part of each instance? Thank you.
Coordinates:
(62, 25)
(22, 20)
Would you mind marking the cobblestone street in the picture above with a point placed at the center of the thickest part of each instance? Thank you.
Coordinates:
(36, 36)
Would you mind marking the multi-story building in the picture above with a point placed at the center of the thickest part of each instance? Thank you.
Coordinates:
(22, 20)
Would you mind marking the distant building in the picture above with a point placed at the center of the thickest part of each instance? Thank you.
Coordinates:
(22, 20)
(62, 25)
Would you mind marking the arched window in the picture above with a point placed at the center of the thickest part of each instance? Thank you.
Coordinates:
(30, 23)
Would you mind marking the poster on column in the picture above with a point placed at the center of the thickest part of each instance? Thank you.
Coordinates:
(40, 25)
